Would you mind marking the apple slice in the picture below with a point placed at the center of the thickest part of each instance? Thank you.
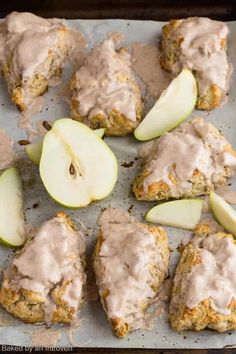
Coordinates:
(34, 151)
(183, 213)
(12, 225)
(76, 166)
(223, 212)
(99, 132)
(175, 104)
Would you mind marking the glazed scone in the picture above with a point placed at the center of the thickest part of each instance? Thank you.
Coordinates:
(199, 44)
(32, 52)
(45, 281)
(191, 160)
(204, 286)
(105, 93)
(130, 262)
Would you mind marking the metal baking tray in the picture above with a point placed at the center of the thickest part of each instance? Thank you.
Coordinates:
(94, 330)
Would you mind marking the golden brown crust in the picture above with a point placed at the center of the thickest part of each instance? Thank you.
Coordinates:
(203, 315)
(119, 325)
(115, 124)
(211, 99)
(29, 305)
(160, 190)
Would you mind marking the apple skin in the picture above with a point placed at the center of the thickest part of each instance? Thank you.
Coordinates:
(224, 213)
(184, 213)
(96, 137)
(164, 115)
(9, 245)
(13, 173)
(34, 151)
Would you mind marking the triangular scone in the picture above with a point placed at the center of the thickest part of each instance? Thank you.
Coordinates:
(32, 51)
(130, 262)
(204, 286)
(45, 281)
(105, 93)
(199, 44)
(191, 160)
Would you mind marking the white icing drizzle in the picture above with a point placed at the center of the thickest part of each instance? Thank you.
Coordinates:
(195, 145)
(127, 253)
(74, 292)
(117, 37)
(27, 40)
(52, 257)
(215, 276)
(105, 82)
(226, 193)
(202, 51)
(34, 106)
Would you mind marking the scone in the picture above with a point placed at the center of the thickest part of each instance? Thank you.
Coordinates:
(130, 262)
(32, 52)
(199, 44)
(190, 161)
(105, 93)
(204, 287)
(45, 281)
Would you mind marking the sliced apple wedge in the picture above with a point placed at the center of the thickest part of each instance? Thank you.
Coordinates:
(223, 212)
(175, 104)
(183, 213)
(99, 132)
(12, 225)
(76, 166)
(34, 151)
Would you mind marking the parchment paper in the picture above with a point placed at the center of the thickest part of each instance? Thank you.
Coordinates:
(94, 330)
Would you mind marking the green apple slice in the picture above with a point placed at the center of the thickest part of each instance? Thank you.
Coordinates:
(175, 104)
(34, 151)
(12, 225)
(183, 213)
(99, 132)
(223, 212)
(76, 166)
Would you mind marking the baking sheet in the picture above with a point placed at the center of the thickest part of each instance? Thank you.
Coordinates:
(94, 330)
